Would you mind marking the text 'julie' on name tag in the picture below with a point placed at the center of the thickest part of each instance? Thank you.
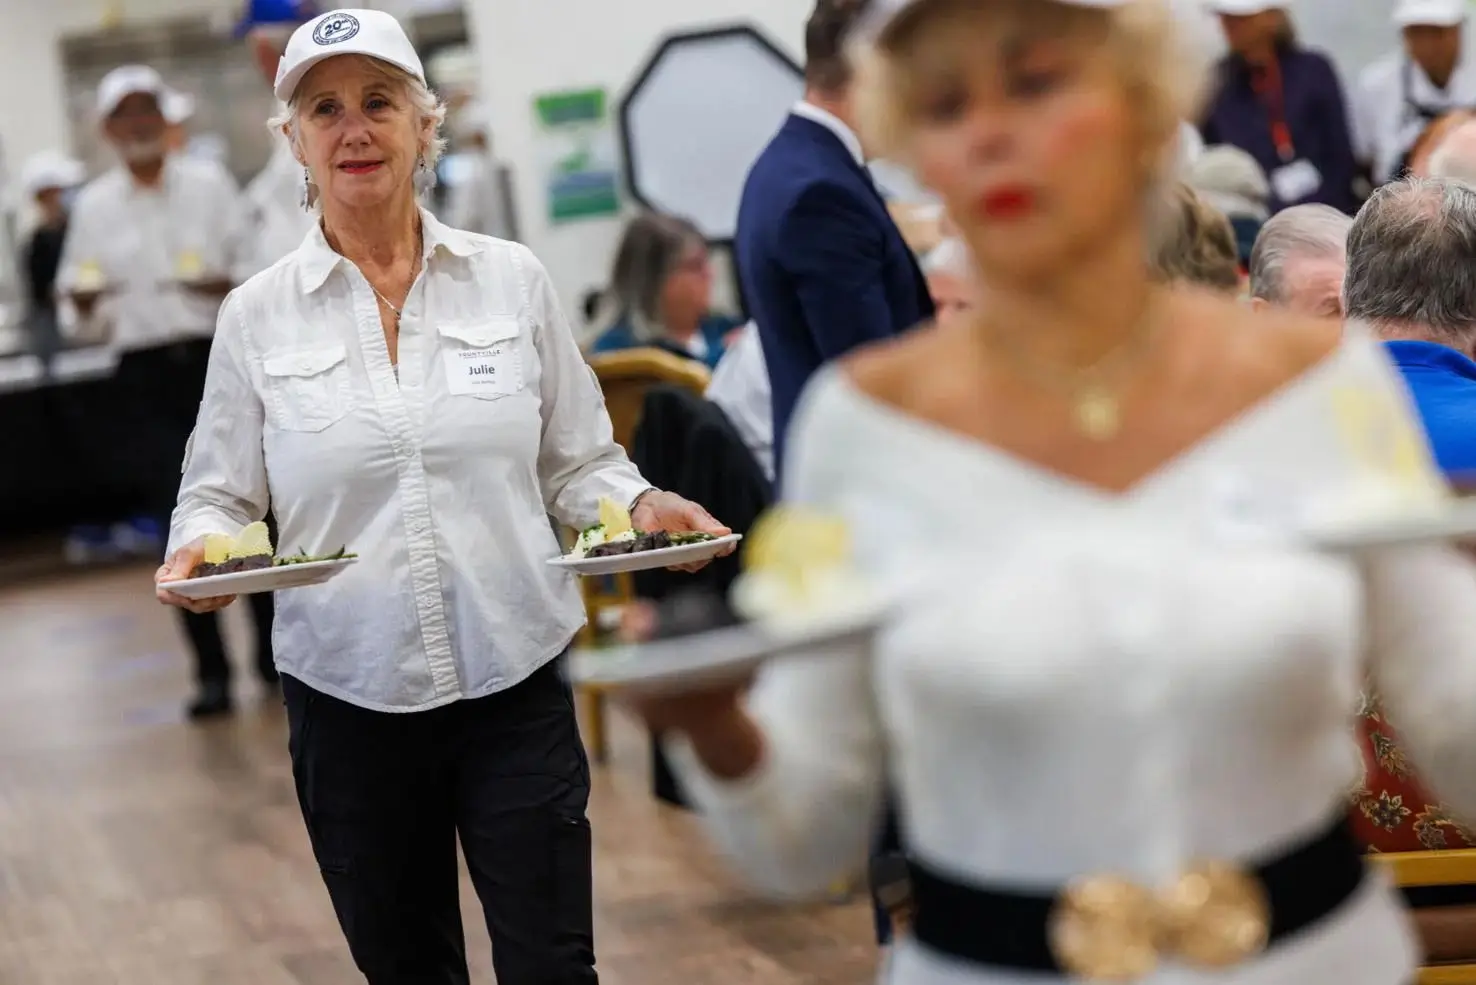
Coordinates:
(485, 372)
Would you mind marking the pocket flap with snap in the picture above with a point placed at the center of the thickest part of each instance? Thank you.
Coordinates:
(484, 333)
(303, 362)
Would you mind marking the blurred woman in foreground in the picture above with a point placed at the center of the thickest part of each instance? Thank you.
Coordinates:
(1104, 768)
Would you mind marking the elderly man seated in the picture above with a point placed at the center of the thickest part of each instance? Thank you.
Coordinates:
(1298, 260)
(1410, 279)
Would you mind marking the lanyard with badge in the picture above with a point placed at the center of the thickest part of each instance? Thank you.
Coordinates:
(1414, 112)
(1296, 178)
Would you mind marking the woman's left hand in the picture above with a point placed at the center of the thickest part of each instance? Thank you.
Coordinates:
(658, 510)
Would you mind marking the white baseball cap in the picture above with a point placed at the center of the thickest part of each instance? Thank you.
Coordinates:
(345, 32)
(1431, 13)
(125, 81)
(1244, 8)
(177, 106)
(51, 169)
(883, 13)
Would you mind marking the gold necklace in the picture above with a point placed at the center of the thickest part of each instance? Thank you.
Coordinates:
(1095, 390)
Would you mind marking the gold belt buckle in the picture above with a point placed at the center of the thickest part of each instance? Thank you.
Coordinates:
(1106, 928)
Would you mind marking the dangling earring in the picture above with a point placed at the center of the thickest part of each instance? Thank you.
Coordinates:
(307, 189)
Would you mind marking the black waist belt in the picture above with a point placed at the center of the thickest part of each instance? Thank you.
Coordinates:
(1012, 930)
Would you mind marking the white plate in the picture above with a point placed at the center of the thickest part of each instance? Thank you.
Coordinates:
(722, 656)
(1455, 522)
(262, 580)
(664, 557)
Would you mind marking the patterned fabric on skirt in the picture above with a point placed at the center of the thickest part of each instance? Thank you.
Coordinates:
(1391, 810)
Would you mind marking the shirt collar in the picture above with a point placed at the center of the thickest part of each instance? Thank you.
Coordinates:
(316, 259)
(1431, 355)
(835, 125)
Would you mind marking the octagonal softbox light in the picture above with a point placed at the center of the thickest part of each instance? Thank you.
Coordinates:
(695, 118)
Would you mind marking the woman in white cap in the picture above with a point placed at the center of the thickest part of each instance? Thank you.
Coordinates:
(1403, 93)
(413, 392)
(1116, 709)
(1282, 104)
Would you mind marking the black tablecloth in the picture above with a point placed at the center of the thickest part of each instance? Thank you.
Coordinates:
(52, 474)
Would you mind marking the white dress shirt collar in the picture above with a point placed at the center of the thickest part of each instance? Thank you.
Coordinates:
(317, 259)
(835, 125)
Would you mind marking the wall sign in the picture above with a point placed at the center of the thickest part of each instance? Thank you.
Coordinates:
(576, 154)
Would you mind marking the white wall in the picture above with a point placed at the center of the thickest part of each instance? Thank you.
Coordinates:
(534, 46)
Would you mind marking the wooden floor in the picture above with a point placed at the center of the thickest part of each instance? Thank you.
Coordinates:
(136, 849)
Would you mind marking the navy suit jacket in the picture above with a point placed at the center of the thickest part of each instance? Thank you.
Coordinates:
(822, 265)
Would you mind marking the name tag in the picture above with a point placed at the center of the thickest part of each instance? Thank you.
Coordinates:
(1296, 181)
(485, 372)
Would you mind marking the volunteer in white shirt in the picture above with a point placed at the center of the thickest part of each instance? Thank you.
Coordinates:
(413, 392)
(147, 255)
(475, 201)
(1404, 92)
(276, 197)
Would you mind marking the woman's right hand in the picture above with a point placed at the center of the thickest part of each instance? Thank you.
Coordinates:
(179, 567)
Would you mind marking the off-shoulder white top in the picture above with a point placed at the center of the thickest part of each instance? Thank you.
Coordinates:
(1102, 683)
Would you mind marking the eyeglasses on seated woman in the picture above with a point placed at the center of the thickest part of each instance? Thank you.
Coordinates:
(413, 392)
(1116, 706)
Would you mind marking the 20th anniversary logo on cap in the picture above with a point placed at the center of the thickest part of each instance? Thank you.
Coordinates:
(336, 29)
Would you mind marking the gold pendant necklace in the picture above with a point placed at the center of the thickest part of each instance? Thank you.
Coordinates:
(1097, 413)
(1095, 400)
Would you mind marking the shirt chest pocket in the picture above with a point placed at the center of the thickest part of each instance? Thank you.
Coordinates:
(308, 389)
(482, 359)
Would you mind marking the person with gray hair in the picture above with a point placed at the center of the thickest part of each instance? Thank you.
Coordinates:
(1298, 259)
(1410, 277)
(1455, 155)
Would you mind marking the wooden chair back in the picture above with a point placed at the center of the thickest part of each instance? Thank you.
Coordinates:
(624, 377)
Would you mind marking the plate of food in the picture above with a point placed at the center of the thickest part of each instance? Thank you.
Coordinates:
(1382, 518)
(800, 594)
(247, 564)
(614, 545)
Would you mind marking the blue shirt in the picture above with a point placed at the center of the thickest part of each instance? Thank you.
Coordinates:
(1443, 383)
(712, 330)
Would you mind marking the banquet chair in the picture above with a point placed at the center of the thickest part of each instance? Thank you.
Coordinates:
(624, 377)
(1433, 870)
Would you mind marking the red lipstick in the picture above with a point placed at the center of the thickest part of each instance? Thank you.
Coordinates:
(1006, 202)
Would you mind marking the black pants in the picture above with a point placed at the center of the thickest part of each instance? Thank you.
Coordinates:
(157, 395)
(385, 797)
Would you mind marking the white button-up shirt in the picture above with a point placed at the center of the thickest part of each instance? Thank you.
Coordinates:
(740, 386)
(143, 242)
(441, 480)
(274, 204)
(1386, 118)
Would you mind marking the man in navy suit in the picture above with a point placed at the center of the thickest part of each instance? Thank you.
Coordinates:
(823, 267)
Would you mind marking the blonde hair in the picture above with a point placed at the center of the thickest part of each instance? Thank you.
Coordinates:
(430, 112)
(1164, 77)
(1199, 245)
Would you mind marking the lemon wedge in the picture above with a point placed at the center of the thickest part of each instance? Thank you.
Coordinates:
(788, 542)
(218, 547)
(188, 265)
(614, 518)
(253, 541)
